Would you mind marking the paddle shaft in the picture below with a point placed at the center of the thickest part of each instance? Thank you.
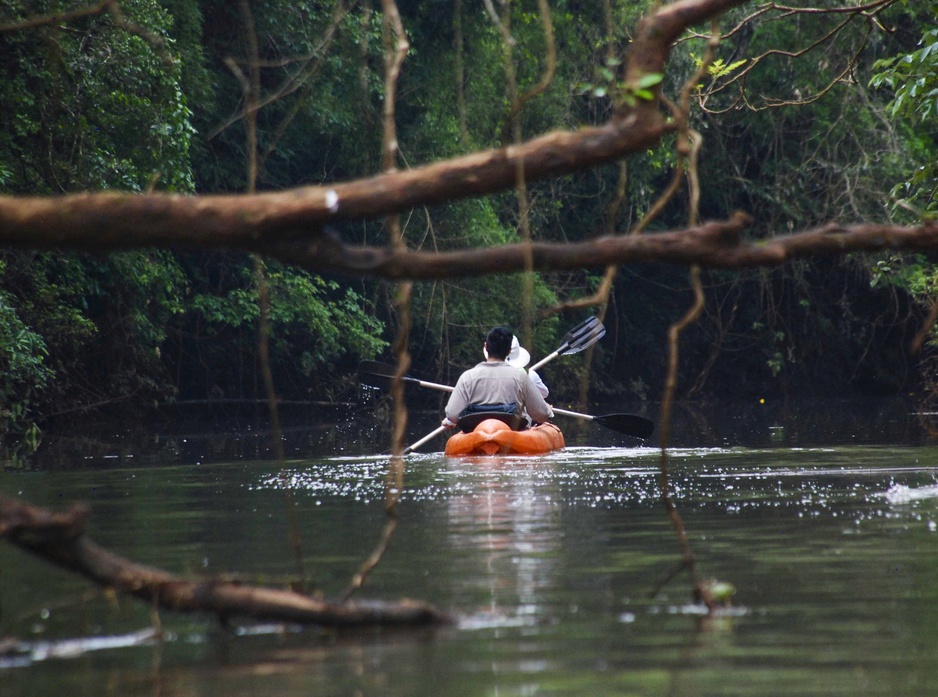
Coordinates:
(574, 414)
(547, 359)
(430, 436)
(447, 388)
(628, 424)
(432, 385)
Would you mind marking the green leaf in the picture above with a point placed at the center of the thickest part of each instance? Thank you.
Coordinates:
(649, 80)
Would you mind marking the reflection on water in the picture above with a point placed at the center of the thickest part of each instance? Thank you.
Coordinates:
(549, 562)
(18, 654)
(506, 515)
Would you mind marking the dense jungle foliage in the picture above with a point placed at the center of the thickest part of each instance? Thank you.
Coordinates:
(90, 105)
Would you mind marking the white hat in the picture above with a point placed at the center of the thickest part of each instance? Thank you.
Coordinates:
(518, 357)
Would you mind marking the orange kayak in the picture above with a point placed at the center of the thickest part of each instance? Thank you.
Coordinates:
(495, 437)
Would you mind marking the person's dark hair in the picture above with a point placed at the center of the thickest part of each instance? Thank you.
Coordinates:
(498, 342)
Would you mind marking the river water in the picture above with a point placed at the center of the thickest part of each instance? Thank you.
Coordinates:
(557, 567)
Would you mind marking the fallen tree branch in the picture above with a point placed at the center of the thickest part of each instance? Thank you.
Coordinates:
(714, 244)
(59, 537)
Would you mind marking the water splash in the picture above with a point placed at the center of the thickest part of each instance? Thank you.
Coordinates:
(899, 493)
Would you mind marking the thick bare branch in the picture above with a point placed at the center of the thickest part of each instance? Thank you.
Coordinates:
(104, 221)
(714, 244)
(59, 538)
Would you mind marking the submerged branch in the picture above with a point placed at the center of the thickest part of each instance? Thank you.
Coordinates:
(59, 537)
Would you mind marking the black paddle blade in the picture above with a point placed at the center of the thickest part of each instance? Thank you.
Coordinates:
(375, 368)
(629, 424)
(374, 374)
(582, 336)
(380, 375)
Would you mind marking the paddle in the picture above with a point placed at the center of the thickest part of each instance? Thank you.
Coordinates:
(577, 339)
(629, 424)
(381, 375)
(430, 436)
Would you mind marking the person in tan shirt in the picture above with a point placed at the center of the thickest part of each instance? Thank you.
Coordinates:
(495, 385)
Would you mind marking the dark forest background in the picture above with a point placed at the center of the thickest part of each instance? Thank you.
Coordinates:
(88, 105)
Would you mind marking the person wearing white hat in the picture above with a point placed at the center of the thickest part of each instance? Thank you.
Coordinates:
(518, 358)
(497, 384)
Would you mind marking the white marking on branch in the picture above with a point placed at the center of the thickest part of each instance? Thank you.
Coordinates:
(332, 201)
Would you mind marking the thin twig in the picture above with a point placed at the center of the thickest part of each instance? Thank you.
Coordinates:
(548, 76)
(297, 81)
(250, 84)
(674, 333)
(396, 48)
(740, 77)
(688, 146)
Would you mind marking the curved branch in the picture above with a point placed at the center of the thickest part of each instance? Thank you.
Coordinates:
(674, 334)
(868, 10)
(105, 220)
(656, 32)
(549, 71)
